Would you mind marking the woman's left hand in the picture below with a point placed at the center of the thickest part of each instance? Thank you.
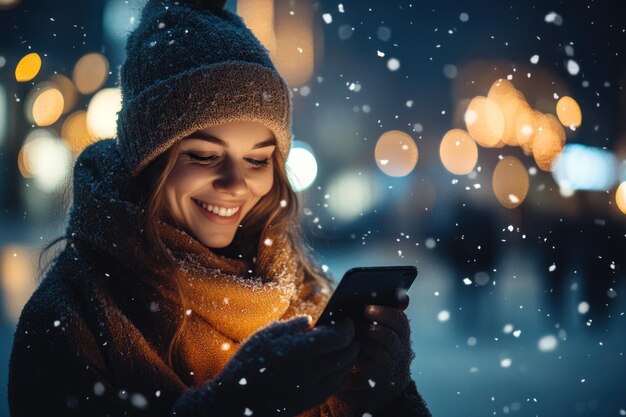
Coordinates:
(382, 369)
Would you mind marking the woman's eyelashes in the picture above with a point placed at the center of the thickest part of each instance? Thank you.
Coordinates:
(199, 158)
(205, 160)
(259, 162)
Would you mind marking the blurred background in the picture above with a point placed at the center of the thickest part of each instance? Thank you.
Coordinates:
(483, 142)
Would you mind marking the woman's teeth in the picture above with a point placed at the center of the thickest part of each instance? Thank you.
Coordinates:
(220, 211)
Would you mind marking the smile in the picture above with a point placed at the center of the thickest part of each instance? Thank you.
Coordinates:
(220, 211)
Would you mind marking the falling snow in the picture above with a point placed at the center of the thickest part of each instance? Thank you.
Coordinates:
(554, 18)
(583, 307)
(572, 67)
(393, 64)
(443, 316)
(548, 343)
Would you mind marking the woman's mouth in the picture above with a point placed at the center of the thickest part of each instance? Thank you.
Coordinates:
(217, 214)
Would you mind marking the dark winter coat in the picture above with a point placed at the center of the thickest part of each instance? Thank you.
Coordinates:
(92, 340)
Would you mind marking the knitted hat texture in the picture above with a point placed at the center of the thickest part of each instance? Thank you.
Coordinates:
(190, 65)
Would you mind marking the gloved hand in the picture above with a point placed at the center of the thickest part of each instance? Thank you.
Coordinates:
(281, 370)
(382, 370)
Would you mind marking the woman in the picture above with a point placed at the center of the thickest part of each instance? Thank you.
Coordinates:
(183, 288)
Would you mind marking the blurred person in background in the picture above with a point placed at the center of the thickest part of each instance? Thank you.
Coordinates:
(184, 287)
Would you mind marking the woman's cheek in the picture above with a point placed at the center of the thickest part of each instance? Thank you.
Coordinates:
(262, 184)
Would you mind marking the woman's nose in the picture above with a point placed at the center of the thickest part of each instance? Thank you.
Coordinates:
(231, 179)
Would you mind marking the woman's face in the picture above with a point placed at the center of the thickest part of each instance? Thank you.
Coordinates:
(220, 173)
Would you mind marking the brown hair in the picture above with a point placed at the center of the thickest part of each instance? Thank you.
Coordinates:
(268, 212)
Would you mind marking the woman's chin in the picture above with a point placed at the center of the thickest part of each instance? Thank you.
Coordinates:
(215, 242)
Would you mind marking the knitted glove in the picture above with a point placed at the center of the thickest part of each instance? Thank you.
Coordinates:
(382, 371)
(281, 370)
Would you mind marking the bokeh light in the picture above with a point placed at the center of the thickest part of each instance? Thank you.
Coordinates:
(510, 182)
(90, 72)
(568, 112)
(350, 195)
(22, 165)
(581, 167)
(301, 166)
(67, 88)
(259, 17)
(458, 152)
(512, 103)
(620, 197)
(76, 133)
(396, 153)
(295, 54)
(22, 162)
(47, 106)
(17, 279)
(102, 112)
(28, 67)
(548, 141)
(47, 159)
(485, 121)
(525, 127)
(9, 4)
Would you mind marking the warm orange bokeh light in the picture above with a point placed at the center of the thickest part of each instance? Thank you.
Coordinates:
(525, 127)
(9, 4)
(396, 153)
(569, 113)
(67, 88)
(620, 197)
(501, 88)
(48, 107)
(22, 164)
(548, 141)
(295, 45)
(458, 152)
(259, 17)
(485, 122)
(512, 103)
(90, 72)
(510, 182)
(76, 133)
(17, 278)
(28, 67)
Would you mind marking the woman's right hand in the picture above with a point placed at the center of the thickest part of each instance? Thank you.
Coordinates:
(283, 370)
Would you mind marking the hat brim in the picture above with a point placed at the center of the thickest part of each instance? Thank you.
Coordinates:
(174, 108)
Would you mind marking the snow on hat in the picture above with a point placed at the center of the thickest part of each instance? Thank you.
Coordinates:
(190, 64)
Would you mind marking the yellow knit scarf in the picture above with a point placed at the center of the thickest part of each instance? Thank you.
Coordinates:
(225, 301)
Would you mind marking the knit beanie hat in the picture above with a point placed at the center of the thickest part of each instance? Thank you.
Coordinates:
(192, 64)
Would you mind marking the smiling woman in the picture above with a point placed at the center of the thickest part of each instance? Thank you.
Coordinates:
(219, 174)
(184, 288)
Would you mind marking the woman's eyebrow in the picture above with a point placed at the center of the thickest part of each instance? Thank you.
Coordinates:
(220, 142)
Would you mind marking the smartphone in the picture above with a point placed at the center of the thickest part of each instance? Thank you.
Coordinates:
(380, 285)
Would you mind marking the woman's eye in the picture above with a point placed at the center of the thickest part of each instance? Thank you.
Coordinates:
(259, 162)
(199, 158)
